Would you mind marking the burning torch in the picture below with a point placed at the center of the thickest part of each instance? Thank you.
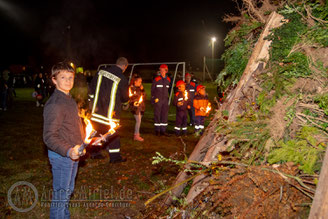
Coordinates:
(137, 103)
(208, 108)
(130, 92)
(185, 95)
(106, 136)
(90, 134)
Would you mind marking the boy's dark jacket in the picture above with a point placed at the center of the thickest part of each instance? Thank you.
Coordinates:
(62, 128)
(180, 97)
(136, 94)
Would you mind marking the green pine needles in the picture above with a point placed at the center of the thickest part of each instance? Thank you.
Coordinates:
(304, 150)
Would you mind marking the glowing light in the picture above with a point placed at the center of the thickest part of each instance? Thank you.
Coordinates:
(186, 95)
(208, 108)
(113, 125)
(138, 103)
(213, 39)
(130, 92)
(88, 130)
(140, 99)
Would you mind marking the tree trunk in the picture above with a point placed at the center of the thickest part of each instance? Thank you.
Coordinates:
(319, 209)
(259, 57)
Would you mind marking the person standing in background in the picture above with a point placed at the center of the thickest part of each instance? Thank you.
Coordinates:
(160, 99)
(39, 86)
(191, 88)
(3, 92)
(108, 90)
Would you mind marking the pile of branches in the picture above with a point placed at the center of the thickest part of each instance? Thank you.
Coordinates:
(251, 192)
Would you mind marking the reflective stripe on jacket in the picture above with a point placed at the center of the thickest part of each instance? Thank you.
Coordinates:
(160, 88)
(191, 88)
(108, 90)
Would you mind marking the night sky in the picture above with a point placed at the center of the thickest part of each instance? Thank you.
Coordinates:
(93, 32)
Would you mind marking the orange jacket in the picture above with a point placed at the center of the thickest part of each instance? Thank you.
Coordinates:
(200, 101)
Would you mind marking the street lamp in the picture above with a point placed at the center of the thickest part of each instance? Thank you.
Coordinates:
(213, 41)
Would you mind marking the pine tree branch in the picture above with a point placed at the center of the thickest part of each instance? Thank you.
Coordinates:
(308, 11)
(284, 176)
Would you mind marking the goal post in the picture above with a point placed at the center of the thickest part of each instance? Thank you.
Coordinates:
(177, 64)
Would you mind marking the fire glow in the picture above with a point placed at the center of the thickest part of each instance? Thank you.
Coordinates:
(138, 103)
(111, 131)
(208, 108)
(90, 133)
(186, 95)
(130, 93)
(113, 125)
(140, 99)
(88, 130)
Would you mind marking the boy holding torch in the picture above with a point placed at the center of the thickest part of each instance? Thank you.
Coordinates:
(62, 133)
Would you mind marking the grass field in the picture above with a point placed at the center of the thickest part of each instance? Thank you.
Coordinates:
(23, 157)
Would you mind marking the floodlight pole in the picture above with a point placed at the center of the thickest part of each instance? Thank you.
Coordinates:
(213, 41)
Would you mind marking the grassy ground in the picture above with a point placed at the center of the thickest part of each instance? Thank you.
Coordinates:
(23, 157)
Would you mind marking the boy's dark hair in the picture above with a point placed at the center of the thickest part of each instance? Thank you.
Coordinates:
(134, 78)
(122, 61)
(61, 66)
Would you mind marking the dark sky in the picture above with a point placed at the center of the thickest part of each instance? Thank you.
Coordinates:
(92, 32)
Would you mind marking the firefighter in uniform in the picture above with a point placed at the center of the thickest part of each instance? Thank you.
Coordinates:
(182, 103)
(108, 91)
(191, 88)
(160, 99)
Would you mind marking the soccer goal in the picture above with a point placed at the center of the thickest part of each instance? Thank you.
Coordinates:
(150, 73)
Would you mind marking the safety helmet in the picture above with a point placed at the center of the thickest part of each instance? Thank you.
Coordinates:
(180, 82)
(187, 74)
(199, 87)
(164, 66)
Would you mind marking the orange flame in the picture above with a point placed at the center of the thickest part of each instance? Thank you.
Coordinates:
(140, 99)
(208, 108)
(113, 125)
(186, 95)
(130, 92)
(88, 130)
